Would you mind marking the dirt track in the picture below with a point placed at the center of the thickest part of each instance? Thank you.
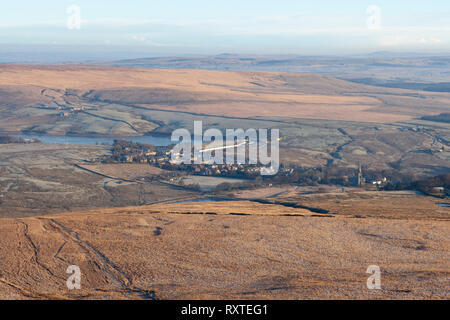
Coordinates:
(198, 251)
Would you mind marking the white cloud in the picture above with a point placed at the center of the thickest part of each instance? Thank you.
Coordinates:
(343, 30)
(436, 40)
(406, 40)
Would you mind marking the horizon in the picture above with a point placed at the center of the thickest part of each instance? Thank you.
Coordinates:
(67, 54)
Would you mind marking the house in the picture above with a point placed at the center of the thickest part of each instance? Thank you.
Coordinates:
(438, 190)
(128, 158)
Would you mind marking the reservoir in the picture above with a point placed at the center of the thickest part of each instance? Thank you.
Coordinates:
(443, 204)
(196, 200)
(154, 140)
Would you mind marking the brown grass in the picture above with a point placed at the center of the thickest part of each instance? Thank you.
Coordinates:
(125, 252)
(232, 94)
(126, 171)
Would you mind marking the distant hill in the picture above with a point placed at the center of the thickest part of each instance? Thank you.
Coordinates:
(432, 87)
(230, 94)
(382, 68)
(443, 117)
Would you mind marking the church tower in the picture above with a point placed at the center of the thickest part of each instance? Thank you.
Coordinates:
(360, 176)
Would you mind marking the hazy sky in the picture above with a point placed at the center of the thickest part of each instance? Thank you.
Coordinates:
(211, 26)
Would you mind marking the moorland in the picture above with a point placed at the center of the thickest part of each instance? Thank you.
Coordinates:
(137, 233)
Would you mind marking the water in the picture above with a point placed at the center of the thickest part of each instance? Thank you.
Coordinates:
(196, 200)
(443, 204)
(208, 200)
(154, 140)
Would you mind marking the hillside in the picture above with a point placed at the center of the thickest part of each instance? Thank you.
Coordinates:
(228, 94)
(232, 250)
(324, 121)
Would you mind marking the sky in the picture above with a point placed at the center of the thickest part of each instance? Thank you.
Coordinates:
(232, 26)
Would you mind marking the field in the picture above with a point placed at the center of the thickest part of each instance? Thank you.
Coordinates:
(40, 179)
(206, 183)
(356, 203)
(211, 251)
(226, 94)
(125, 171)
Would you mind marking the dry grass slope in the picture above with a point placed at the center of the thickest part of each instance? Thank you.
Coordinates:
(275, 252)
(230, 94)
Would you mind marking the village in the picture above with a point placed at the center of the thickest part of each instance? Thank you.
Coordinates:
(160, 156)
